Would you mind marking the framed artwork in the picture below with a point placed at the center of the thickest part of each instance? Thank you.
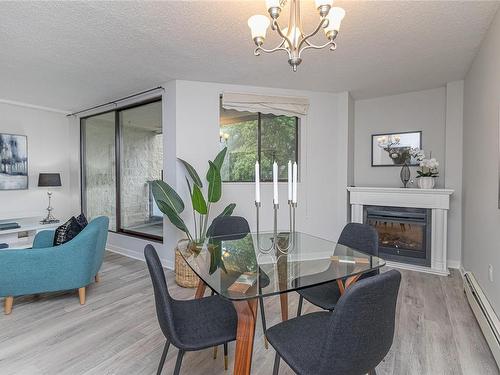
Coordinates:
(393, 149)
(13, 162)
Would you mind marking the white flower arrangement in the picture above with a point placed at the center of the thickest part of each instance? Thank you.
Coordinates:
(428, 167)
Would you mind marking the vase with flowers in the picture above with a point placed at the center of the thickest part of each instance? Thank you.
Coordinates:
(427, 170)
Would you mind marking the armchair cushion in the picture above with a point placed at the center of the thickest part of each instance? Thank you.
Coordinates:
(67, 231)
(45, 238)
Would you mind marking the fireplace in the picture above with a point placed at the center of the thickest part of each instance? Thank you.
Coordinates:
(404, 233)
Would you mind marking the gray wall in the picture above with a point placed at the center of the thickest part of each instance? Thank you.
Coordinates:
(481, 234)
(421, 110)
(53, 146)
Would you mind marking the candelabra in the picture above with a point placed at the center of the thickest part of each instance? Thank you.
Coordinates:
(275, 245)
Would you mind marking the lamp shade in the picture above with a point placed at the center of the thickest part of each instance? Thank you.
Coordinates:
(49, 180)
(258, 25)
(335, 17)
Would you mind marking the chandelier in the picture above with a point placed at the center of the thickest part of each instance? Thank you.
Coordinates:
(293, 39)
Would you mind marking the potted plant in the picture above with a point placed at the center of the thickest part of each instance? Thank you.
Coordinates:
(172, 205)
(427, 171)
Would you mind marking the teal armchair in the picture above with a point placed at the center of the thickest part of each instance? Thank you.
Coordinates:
(48, 268)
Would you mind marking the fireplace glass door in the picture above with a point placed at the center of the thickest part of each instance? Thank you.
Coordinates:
(403, 232)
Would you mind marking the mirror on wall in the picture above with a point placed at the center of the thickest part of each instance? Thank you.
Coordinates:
(393, 149)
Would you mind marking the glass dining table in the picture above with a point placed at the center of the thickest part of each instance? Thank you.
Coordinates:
(245, 267)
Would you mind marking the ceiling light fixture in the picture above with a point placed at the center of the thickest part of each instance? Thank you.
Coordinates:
(294, 41)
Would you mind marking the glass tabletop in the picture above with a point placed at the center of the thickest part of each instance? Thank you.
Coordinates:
(236, 268)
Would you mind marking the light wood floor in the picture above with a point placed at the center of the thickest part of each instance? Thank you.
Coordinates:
(116, 332)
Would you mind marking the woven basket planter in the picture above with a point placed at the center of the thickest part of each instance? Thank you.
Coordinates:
(184, 275)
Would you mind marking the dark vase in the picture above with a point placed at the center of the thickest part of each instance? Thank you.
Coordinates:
(405, 174)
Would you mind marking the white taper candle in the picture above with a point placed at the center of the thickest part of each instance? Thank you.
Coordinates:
(294, 188)
(257, 182)
(275, 183)
(290, 180)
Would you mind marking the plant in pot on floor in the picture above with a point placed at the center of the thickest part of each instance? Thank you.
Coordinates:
(172, 205)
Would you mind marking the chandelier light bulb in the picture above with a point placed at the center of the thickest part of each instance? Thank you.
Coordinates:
(258, 25)
(335, 17)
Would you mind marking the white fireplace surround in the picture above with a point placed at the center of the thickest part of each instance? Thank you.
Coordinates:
(438, 200)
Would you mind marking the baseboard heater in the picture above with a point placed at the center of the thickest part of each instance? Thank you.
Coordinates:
(485, 315)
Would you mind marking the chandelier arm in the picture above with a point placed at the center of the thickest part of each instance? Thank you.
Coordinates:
(285, 38)
(280, 47)
(330, 43)
(318, 28)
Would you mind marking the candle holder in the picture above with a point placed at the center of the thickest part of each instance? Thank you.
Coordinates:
(275, 246)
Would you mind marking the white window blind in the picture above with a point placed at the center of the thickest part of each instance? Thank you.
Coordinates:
(276, 105)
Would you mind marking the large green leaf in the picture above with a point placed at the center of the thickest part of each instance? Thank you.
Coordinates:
(219, 159)
(164, 192)
(214, 183)
(174, 218)
(192, 173)
(228, 211)
(198, 201)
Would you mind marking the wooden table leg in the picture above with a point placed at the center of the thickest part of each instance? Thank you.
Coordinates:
(282, 268)
(350, 280)
(247, 316)
(284, 306)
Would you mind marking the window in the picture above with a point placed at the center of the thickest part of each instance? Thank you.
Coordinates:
(255, 136)
(122, 152)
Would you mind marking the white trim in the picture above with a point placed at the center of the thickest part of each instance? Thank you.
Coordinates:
(33, 106)
(413, 267)
(456, 264)
(135, 255)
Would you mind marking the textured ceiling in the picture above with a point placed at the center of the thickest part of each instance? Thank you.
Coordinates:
(70, 55)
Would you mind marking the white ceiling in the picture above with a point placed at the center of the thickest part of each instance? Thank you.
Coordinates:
(71, 55)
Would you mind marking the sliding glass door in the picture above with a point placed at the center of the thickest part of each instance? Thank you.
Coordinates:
(99, 167)
(141, 161)
(120, 159)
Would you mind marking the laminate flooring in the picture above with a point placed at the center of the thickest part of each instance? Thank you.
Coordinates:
(116, 331)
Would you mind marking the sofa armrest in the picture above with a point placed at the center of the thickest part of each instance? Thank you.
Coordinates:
(45, 238)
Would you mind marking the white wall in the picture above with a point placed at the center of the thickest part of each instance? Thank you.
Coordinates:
(481, 234)
(438, 114)
(421, 110)
(53, 146)
(191, 132)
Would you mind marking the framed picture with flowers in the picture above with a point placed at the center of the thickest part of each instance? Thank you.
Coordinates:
(394, 149)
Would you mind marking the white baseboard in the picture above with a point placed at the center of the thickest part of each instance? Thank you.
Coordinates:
(413, 267)
(135, 255)
(484, 313)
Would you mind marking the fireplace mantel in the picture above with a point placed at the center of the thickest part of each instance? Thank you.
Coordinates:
(438, 200)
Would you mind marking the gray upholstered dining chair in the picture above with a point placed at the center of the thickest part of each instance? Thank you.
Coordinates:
(193, 324)
(233, 228)
(361, 237)
(351, 340)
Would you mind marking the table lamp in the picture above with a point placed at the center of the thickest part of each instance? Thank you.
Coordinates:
(49, 180)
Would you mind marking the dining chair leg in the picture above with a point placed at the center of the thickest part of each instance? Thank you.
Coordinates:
(263, 318)
(299, 308)
(178, 363)
(215, 352)
(225, 356)
(163, 356)
(276, 364)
